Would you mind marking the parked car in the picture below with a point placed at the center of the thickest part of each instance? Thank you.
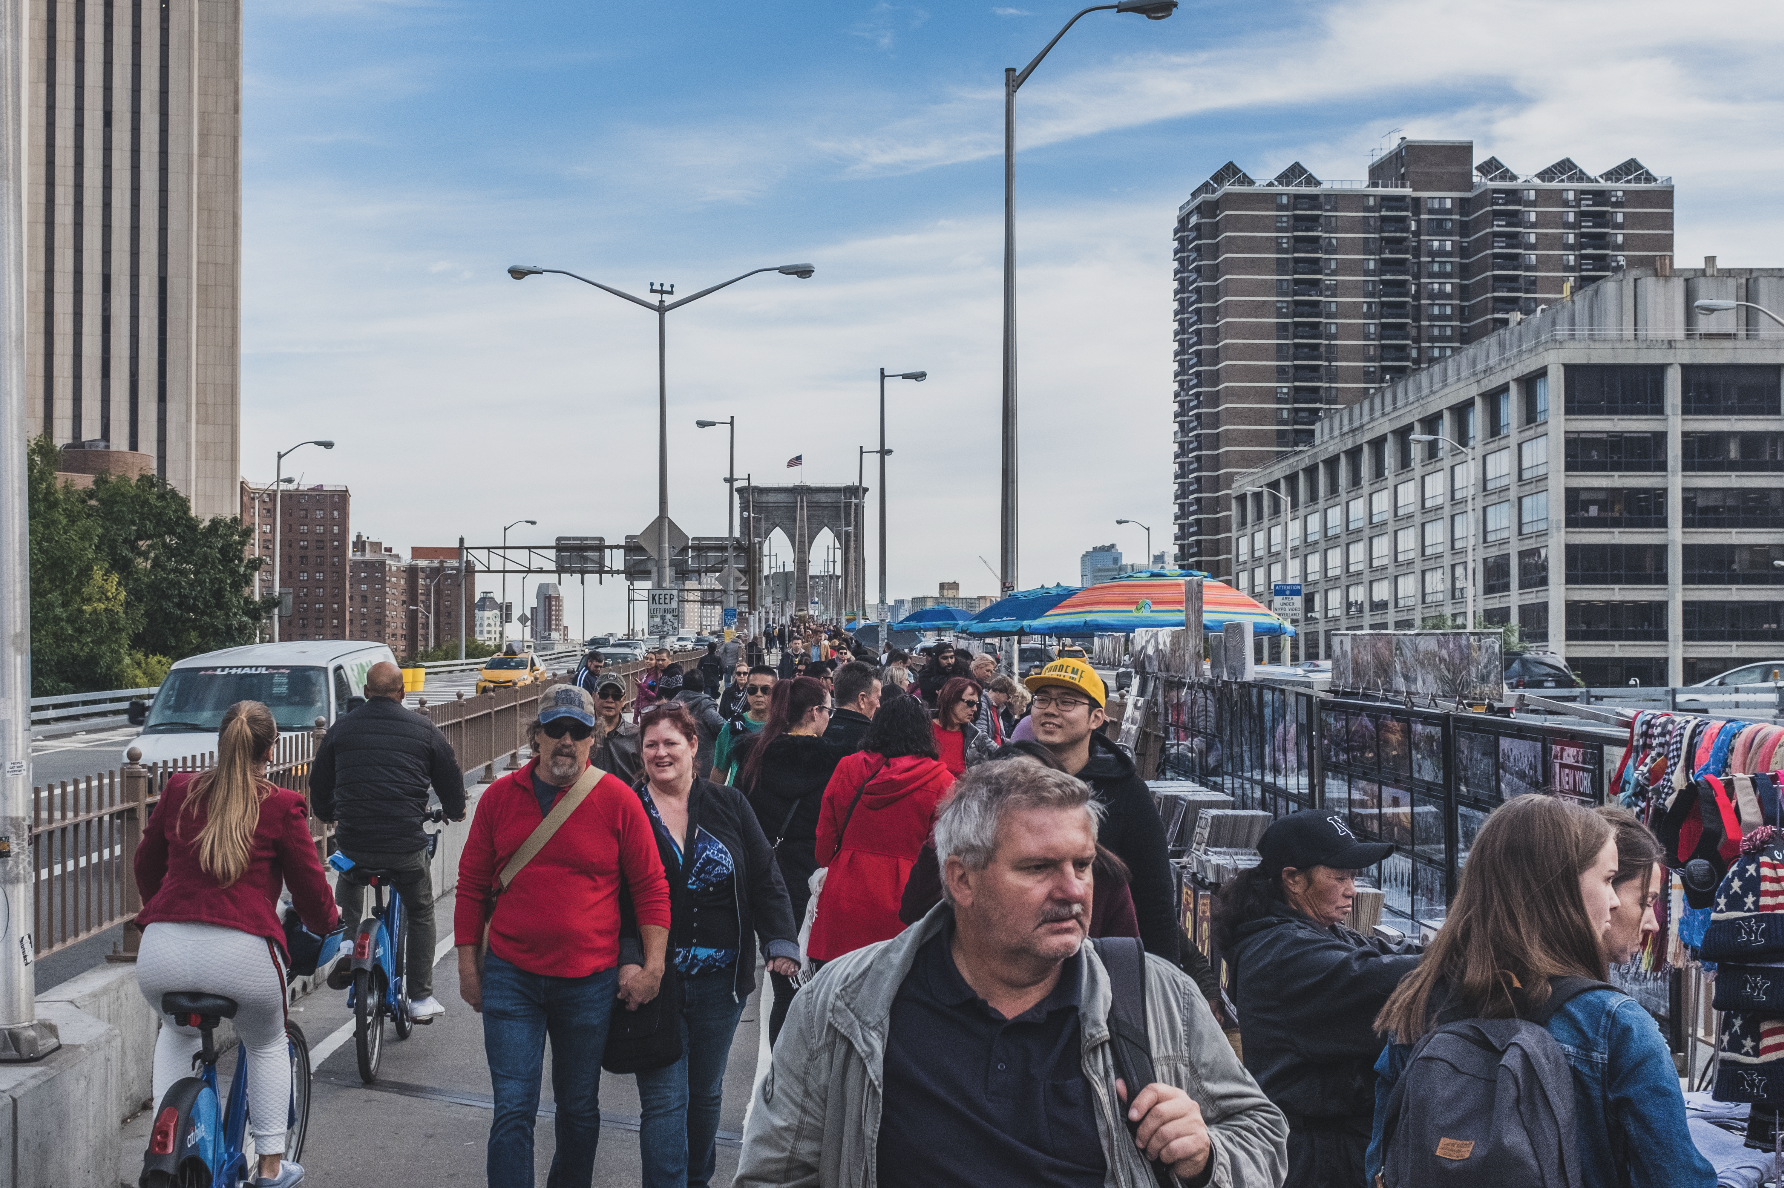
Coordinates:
(600, 641)
(701, 641)
(505, 672)
(616, 655)
(1533, 670)
(633, 648)
(1031, 658)
(1770, 672)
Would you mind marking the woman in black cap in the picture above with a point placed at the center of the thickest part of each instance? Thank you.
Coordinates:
(1309, 989)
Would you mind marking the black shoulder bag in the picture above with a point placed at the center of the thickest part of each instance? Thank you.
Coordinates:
(1124, 959)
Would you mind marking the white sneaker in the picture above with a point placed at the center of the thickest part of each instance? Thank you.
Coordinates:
(426, 1010)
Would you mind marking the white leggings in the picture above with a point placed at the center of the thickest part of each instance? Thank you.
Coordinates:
(210, 959)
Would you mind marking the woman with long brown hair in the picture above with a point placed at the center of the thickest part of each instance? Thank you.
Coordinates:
(1538, 901)
(960, 742)
(213, 857)
(783, 776)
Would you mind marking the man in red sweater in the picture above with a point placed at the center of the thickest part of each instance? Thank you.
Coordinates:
(553, 938)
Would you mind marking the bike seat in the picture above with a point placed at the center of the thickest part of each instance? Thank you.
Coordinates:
(189, 1002)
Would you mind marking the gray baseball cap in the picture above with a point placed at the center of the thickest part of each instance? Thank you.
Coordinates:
(566, 701)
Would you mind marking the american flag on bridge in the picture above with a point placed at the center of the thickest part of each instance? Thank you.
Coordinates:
(796, 460)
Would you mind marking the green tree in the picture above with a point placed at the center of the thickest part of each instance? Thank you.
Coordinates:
(475, 649)
(81, 624)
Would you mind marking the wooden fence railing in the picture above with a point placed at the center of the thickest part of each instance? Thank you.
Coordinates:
(84, 832)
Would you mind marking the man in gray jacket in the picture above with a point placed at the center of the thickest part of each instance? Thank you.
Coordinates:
(976, 1045)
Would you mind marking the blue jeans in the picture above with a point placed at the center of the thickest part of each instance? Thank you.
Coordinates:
(519, 1010)
(679, 1105)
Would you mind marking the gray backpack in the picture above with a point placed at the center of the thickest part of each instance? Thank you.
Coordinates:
(1491, 1103)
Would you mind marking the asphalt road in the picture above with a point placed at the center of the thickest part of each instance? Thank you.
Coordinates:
(426, 1121)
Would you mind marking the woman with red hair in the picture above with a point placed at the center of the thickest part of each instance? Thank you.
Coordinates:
(960, 743)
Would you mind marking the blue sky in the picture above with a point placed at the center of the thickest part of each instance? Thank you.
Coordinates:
(398, 154)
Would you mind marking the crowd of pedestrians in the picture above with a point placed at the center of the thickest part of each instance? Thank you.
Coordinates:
(960, 890)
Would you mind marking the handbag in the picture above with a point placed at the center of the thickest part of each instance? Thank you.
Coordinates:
(649, 1037)
(816, 882)
(560, 812)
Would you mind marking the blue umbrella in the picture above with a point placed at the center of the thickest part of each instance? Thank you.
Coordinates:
(932, 618)
(1006, 616)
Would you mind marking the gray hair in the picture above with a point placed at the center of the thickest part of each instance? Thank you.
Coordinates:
(967, 825)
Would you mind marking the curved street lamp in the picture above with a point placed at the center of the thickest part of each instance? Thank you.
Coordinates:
(502, 611)
(730, 505)
(278, 489)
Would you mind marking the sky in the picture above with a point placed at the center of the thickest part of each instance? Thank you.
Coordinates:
(398, 155)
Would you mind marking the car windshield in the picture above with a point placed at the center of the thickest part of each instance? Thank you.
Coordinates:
(194, 699)
(507, 662)
(615, 656)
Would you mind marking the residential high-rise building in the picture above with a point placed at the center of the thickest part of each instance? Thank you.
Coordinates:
(1295, 297)
(313, 533)
(547, 627)
(489, 619)
(1098, 564)
(133, 235)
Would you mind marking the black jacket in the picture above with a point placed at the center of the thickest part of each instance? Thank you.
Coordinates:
(1132, 829)
(786, 794)
(732, 700)
(762, 904)
(709, 721)
(712, 671)
(371, 775)
(618, 753)
(847, 729)
(1307, 999)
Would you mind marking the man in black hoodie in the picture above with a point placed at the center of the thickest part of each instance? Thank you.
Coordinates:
(1067, 713)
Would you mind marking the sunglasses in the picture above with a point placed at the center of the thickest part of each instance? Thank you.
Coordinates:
(610, 694)
(971, 705)
(758, 690)
(562, 726)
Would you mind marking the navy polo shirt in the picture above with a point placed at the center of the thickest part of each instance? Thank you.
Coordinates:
(972, 1098)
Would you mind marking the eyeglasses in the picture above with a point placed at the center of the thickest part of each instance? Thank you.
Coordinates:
(971, 705)
(611, 694)
(758, 690)
(825, 708)
(559, 727)
(1068, 704)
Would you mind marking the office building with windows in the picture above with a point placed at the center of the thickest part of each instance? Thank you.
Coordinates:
(1098, 564)
(1617, 457)
(1297, 297)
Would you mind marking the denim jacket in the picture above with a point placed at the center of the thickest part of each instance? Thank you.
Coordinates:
(1627, 1105)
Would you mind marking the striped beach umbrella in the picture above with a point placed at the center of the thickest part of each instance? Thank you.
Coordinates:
(1143, 600)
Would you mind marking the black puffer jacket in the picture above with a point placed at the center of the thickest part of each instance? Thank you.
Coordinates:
(371, 776)
(1307, 999)
(1132, 829)
(786, 793)
(707, 719)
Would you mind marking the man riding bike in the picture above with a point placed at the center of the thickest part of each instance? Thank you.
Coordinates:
(372, 772)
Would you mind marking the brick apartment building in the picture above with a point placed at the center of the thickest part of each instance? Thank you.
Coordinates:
(1296, 297)
(315, 526)
(412, 606)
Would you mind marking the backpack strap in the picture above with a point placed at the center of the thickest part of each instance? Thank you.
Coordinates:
(1124, 960)
(1561, 992)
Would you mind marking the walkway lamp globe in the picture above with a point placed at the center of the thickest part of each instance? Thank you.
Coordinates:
(1152, 10)
(1708, 306)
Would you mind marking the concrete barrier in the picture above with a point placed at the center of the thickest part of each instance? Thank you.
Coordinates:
(61, 1130)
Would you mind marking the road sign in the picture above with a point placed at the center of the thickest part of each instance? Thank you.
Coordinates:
(1287, 589)
(665, 611)
(882, 611)
(647, 539)
(582, 554)
(730, 616)
(1286, 607)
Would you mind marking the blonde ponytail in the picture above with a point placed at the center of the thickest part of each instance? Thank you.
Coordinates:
(230, 793)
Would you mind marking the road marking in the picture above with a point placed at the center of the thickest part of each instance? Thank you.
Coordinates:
(344, 1032)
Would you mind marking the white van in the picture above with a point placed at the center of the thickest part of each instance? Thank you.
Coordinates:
(299, 681)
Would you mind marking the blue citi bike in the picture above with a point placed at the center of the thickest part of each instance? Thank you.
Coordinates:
(380, 960)
(197, 1142)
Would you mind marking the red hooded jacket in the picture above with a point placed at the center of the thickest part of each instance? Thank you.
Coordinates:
(859, 903)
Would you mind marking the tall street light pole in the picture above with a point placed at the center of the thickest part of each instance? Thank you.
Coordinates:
(1152, 10)
(278, 490)
(918, 376)
(1707, 306)
(730, 506)
(661, 308)
(1137, 524)
(1474, 529)
(861, 521)
(502, 611)
(1288, 527)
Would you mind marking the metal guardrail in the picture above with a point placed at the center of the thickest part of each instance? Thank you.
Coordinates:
(71, 706)
(1752, 702)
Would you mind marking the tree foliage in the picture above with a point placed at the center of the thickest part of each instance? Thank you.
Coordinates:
(475, 649)
(125, 580)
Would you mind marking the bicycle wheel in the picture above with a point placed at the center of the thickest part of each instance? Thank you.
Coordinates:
(368, 1022)
(399, 958)
(298, 1124)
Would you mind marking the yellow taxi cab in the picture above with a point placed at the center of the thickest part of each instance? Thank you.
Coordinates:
(505, 672)
(1069, 652)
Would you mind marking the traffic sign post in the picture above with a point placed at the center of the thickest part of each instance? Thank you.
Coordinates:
(1285, 600)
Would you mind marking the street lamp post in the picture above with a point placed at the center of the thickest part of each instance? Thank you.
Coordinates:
(1153, 10)
(502, 611)
(661, 309)
(861, 518)
(278, 489)
(1474, 529)
(1708, 306)
(730, 506)
(1289, 528)
(1137, 524)
(918, 376)
(259, 549)
(422, 610)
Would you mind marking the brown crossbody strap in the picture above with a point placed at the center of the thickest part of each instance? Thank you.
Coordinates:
(543, 832)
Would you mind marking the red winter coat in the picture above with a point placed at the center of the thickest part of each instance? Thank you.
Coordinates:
(859, 903)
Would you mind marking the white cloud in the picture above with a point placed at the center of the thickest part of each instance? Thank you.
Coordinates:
(1009, 12)
(883, 22)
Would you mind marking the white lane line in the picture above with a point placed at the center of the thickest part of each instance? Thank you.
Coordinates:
(344, 1032)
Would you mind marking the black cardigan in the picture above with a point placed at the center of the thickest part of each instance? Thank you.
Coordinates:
(762, 904)
(786, 794)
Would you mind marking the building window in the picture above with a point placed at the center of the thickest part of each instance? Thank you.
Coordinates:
(1497, 468)
(1433, 490)
(1459, 529)
(1433, 586)
(1459, 480)
(1499, 413)
(1334, 522)
(1599, 621)
(1459, 580)
(1378, 551)
(1334, 562)
(1403, 449)
(1353, 513)
(1635, 507)
(1732, 565)
(1378, 506)
(1497, 519)
(1462, 422)
(1533, 457)
(1623, 564)
(1533, 513)
(1495, 574)
(1536, 400)
(1333, 597)
(1275, 538)
(1735, 622)
(1615, 390)
(1353, 557)
(1312, 533)
(1405, 544)
(1378, 596)
(1353, 599)
(1533, 622)
(1405, 498)
(1378, 458)
(1733, 507)
(1533, 568)
(1588, 453)
(1406, 590)
(1432, 427)
(1431, 538)
(1730, 391)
